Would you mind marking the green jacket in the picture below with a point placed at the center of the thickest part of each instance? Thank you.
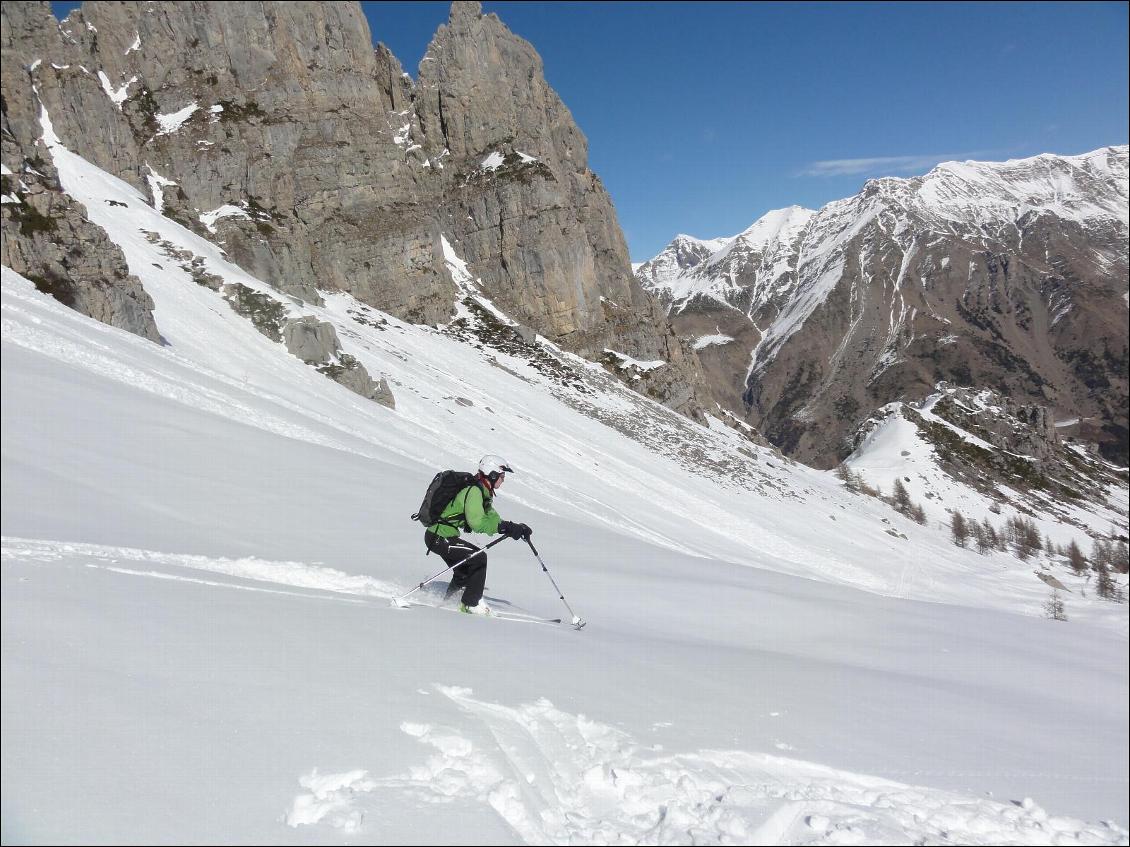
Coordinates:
(471, 508)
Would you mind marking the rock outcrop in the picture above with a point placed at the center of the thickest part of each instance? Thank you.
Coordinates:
(315, 342)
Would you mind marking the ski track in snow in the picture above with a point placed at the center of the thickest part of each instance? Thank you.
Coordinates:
(560, 778)
(299, 575)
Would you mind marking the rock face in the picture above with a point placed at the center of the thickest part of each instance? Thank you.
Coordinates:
(1011, 276)
(93, 278)
(1027, 429)
(46, 235)
(319, 165)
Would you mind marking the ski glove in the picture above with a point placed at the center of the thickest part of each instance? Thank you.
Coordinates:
(515, 530)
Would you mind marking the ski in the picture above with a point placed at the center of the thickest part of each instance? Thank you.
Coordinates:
(511, 616)
(505, 616)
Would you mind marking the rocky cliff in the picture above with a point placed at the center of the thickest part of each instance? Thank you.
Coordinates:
(319, 165)
(1010, 276)
(46, 235)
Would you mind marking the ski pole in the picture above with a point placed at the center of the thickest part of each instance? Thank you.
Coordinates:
(577, 622)
(397, 601)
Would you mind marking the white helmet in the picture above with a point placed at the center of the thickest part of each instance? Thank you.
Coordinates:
(493, 467)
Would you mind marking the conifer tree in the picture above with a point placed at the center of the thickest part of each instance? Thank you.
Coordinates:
(1121, 558)
(1075, 558)
(959, 528)
(1025, 537)
(1100, 555)
(991, 535)
(981, 537)
(1104, 583)
(900, 497)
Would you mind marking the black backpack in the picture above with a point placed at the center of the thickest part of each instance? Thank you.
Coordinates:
(441, 492)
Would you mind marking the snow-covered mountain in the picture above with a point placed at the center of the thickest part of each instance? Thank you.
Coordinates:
(691, 268)
(202, 536)
(685, 253)
(1010, 276)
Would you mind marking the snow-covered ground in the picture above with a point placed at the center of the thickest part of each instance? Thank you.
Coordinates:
(201, 540)
(894, 449)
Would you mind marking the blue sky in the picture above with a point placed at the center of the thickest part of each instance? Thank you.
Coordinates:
(703, 116)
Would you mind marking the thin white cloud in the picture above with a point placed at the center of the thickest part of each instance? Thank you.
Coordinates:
(879, 165)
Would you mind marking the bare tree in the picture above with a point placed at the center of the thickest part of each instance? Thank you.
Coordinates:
(1054, 607)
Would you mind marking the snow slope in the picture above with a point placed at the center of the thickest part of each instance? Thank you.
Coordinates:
(896, 449)
(200, 541)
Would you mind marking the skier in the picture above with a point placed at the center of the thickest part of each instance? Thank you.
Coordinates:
(471, 509)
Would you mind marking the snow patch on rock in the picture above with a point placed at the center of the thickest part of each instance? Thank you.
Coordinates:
(117, 95)
(225, 211)
(156, 185)
(175, 120)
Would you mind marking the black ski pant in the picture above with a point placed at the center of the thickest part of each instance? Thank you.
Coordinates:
(470, 578)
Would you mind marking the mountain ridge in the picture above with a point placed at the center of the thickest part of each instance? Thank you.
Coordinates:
(1046, 329)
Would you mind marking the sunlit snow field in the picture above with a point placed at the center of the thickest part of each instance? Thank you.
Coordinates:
(201, 541)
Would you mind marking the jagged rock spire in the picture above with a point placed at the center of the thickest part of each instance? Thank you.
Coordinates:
(356, 174)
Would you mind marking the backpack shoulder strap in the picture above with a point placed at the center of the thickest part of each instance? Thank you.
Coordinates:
(459, 520)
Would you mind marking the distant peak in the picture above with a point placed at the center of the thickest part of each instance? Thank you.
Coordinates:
(463, 11)
(710, 244)
(770, 225)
